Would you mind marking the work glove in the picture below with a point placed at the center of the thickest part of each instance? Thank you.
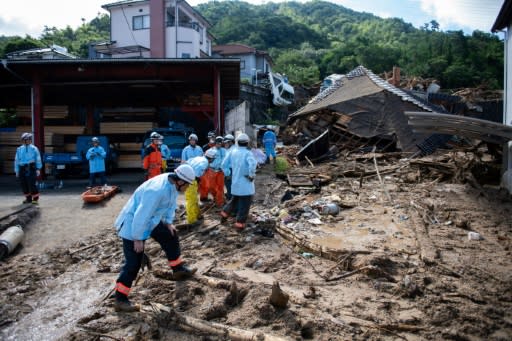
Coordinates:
(38, 172)
(250, 178)
(228, 177)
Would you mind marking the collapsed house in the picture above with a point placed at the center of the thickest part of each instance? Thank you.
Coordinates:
(360, 110)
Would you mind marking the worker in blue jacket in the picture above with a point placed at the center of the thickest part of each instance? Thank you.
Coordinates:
(96, 156)
(192, 149)
(241, 164)
(229, 142)
(150, 212)
(269, 142)
(27, 167)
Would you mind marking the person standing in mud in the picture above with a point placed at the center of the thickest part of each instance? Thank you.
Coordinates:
(96, 156)
(229, 141)
(152, 162)
(192, 150)
(269, 142)
(27, 167)
(242, 165)
(148, 213)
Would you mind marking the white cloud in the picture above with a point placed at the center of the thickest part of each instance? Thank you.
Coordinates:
(22, 17)
(475, 14)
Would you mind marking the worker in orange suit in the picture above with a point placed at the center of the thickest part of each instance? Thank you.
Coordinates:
(152, 162)
(207, 178)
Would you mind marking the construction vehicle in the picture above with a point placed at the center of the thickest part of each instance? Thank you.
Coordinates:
(60, 165)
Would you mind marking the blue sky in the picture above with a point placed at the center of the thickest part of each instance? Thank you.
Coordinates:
(22, 17)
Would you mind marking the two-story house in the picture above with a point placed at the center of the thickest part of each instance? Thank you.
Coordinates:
(155, 29)
(252, 61)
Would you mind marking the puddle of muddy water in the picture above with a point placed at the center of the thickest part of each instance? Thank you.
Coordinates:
(70, 297)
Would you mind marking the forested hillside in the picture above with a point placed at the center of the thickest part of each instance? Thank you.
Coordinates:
(310, 40)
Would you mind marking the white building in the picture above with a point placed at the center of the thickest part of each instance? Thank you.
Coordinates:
(504, 23)
(148, 29)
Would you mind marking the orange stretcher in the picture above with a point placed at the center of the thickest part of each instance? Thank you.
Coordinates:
(99, 193)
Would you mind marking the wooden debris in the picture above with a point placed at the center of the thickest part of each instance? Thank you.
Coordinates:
(213, 328)
(278, 298)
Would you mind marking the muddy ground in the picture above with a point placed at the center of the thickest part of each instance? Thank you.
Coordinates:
(395, 263)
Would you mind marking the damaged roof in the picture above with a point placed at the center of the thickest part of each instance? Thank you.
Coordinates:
(360, 82)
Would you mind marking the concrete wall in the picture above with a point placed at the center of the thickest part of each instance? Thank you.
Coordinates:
(237, 119)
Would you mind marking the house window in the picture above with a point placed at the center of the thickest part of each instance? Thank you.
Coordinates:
(140, 22)
(185, 55)
(242, 65)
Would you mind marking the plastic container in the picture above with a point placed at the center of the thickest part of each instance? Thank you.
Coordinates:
(330, 209)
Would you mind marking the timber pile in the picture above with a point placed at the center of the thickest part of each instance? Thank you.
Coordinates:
(128, 114)
(107, 128)
(49, 111)
(10, 141)
(63, 129)
(129, 161)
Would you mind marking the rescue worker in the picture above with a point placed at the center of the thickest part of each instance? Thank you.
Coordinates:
(269, 142)
(96, 156)
(148, 213)
(152, 162)
(192, 149)
(243, 171)
(207, 178)
(27, 167)
(216, 184)
(166, 154)
(200, 165)
(211, 141)
(229, 141)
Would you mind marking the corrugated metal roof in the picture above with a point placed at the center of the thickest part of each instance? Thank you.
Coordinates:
(357, 83)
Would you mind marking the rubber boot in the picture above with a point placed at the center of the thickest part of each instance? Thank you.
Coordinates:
(182, 272)
(28, 199)
(123, 304)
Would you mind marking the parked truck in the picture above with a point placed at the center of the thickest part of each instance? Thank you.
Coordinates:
(62, 165)
(175, 137)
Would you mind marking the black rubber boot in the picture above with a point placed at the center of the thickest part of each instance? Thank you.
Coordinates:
(123, 304)
(182, 272)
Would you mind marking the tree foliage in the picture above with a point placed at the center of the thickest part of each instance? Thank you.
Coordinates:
(308, 41)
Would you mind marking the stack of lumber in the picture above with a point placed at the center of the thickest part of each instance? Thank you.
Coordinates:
(107, 128)
(129, 161)
(49, 111)
(130, 147)
(124, 114)
(64, 130)
(10, 141)
(206, 99)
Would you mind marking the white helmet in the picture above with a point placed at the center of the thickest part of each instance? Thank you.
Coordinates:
(193, 137)
(185, 173)
(95, 139)
(211, 153)
(154, 135)
(229, 138)
(243, 138)
(26, 136)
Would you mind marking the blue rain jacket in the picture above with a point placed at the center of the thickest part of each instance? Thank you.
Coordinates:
(152, 202)
(166, 152)
(269, 139)
(190, 152)
(242, 164)
(217, 162)
(96, 156)
(199, 164)
(26, 154)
